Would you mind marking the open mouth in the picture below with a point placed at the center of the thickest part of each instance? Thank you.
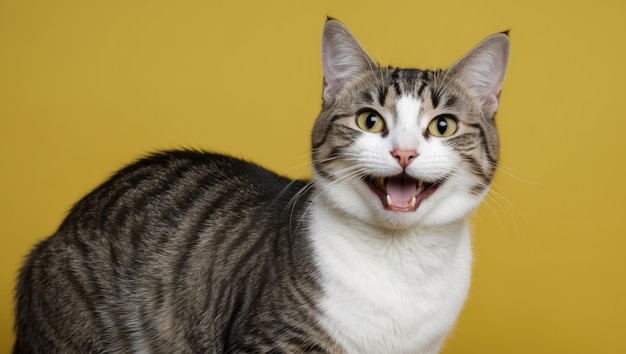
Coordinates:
(401, 192)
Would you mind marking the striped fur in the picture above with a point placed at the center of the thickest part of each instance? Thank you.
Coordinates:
(176, 253)
(194, 252)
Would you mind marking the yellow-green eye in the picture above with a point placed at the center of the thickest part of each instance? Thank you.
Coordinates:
(370, 121)
(442, 126)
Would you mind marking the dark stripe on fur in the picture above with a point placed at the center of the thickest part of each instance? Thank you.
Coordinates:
(382, 94)
(367, 98)
(476, 169)
(328, 129)
(451, 101)
(421, 88)
(435, 96)
(397, 89)
(214, 276)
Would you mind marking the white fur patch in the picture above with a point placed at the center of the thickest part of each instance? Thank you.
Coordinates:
(389, 293)
(406, 130)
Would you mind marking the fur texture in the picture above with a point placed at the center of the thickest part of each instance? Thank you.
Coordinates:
(189, 252)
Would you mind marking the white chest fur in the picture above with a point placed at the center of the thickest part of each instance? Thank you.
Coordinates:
(393, 293)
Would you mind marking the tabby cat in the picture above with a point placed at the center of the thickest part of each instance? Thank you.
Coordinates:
(194, 252)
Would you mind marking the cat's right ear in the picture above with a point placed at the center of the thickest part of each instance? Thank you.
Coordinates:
(482, 70)
(343, 58)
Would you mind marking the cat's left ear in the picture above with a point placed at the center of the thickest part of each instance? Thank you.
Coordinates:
(482, 70)
(343, 58)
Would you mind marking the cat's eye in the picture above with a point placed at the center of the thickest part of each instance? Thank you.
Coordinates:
(443, 125)
(370, 121)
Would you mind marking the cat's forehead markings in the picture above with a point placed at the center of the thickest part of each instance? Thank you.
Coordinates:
(406, 129)
(407, 109)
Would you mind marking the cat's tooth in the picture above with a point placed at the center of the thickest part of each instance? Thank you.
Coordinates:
(412, 202)
(420, 184)
(388, 200)
(380, 181)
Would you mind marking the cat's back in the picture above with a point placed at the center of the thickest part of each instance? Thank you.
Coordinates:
(158, 248)
(180, 180)
(177, 190)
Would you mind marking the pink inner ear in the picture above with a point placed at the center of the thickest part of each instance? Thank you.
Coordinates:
(491, 105)
(327, 90)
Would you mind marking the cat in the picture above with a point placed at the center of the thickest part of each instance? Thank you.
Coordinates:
(193, 252)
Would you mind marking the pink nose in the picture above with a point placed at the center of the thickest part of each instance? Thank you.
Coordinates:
(404, 156)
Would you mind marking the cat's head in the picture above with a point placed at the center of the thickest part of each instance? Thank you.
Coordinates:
(405, 147)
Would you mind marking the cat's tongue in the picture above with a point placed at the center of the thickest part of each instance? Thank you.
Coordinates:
(401, 192)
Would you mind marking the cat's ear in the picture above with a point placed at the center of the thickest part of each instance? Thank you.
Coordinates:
(343, 58)
(482, 70)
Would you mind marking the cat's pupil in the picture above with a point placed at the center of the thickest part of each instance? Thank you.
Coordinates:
(442, 126)
(371, 120)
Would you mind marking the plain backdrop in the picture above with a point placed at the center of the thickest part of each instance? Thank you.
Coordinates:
(88, 86)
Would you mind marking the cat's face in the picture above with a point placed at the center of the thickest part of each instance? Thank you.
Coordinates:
(405, 147)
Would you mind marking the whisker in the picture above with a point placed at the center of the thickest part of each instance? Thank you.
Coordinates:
(509, 173)
(345, 173)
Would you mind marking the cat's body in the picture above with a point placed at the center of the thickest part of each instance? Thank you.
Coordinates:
(189, 252)
(204, 263)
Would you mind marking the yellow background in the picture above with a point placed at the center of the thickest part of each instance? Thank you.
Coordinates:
(88, 86)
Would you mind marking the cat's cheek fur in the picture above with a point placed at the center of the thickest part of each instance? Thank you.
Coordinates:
(353, 199)
(453, 201)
